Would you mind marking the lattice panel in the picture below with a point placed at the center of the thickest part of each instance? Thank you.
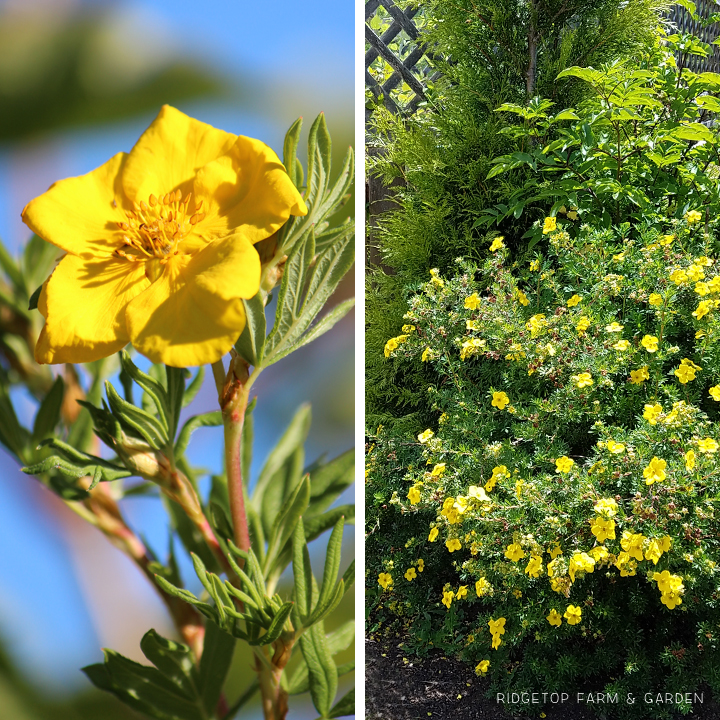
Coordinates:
(685, 24)
(397, 67)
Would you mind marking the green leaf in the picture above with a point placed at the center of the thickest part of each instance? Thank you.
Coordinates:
(326, 322)
(194, 387)
(11, 268)
(328, 481)
(150, 385)
(48, 414)
(250, 343)
(334, 197)
(285, 522)
(332, 562)
(150, 428)
(12, 435)
(290, 146)
(316, 526)
(568, 114)
(172, 659)
(186, 596)
(210, 419)
(321, 668)
(276, 626)
(319, 158)
(302, 572)
(175, 392)
(345, 706)
(214, 665)
(33, 301)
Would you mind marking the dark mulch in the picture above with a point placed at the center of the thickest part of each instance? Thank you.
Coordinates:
(439, 687)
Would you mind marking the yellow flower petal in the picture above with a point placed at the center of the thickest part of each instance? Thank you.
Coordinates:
(248, 191)
(77, 214)
(87, 301)
(192, 314)
(170, 152)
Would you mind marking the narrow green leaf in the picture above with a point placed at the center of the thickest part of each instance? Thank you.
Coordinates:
(288, 517)
(214, 665)
(276, 626)
(332, 561)
(323, 609)
(301, 571)
(250, 343)
(150, 385)
(210, 419)
(149, 427)
(12, 435)
(334, 197)
(194, 387)
(319, 153)
(33, 301)
(11, 268)
(344, 706)
(48, 414)
(321, 668)
(290, 146)
(173, 660)
(175, 395)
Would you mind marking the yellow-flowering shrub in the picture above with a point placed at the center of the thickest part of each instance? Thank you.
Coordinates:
(581, 476)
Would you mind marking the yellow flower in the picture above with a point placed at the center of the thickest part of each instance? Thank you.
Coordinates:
(499, 472)
(692, 217)
(715, 392)
(438, 470)
(581, 561)
(574, 300)
(606, 506)
(632, 543)
(534, 566)
(160, 245)
(650, 343)
(497, 628)
(554, 618)
(514, 552)
(385, 580)
(550, 225)
(689, 460)
(482, 587)
(414, 495)
(536, 324)
(652, 412)
(410, 574)
(583, 380)
(427, 355)
(583, 325)
(599, 553)
(602, 529)
(420, 565)
(685, 373)
(678, 276)
(573, 615)
(621, 345)
(708, 446)
(702, 289)
(639, 375)
(555, 551)
(522, 298)
(563, 464)
(703, 308)
(408, 329)
(615, 448)
(534, 265)
(666, 239)
(517, 593)
(499, 400)
(462, 592)
(654, 551)
(654, 472)
(472, 302)
(432, 537)
(655, 299)
(435, 279)
(448, 596)
(497, 243)
(482, 667)
(695, 273)
(390, 346)
(614, 327)
(424, 436)
(453, 545)
(478, 493)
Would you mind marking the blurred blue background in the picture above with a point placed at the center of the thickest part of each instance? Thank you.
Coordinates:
(249, 68)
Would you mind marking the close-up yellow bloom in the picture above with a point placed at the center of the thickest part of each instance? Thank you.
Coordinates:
(160, 245)
(453, 544)
(514, 552)
(655, 471)
(563, 464)
(614, 327)
(499, 400)
(432, 537)
(615, 448)
(689, 460)
(655, 299)
(550, 225)
(708, 446)
(652, 413)
(715, 392)
(554, 618)
(621, 345)
(497, 243)
(574, 300)
(583, 380)
(573, 615)
(692, 217)
(385, 580)
(420, 565)
(414, 495)
(447, 599)
(482, 587)
(425, 435)
(640, 375)
(650, 343)
(482, 667)
(472, 302)
(410, 574)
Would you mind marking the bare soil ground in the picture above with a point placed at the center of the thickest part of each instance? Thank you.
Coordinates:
(439, 687)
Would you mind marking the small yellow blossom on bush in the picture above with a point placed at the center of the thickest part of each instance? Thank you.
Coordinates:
(602, 529)
(692, 217)
(678, 276)
(686, 372)
(471, 347)
(654, 472)
(550, 225)
(563, 464)
(581, 561)
(626, 565)
(574, 300)
(420, 565)
(555, 551)
(707, 446)
(427, 354)
(703, 308)
(499, 400)
(453, 544)
(621, 345)
(652, 412)
(714, 285)
(614, 327)
(534, 265)
(702, 289)
(573, 614)
(534, 566)
(472, 302)
(695, 273)
(583, 325)
(666, 239)
(499, 472)
(715, 392)
(447, 599)
(478, 493)
(385, 580)
(410, 574)
(482, 667)
(650, 343)
(522, 298)
(160, 245)
(654, 551)
(424, 436)
(655, 299)
(554, 618)
(536, 324)
(514, 552)
(414, 495)
(640, 375)
(497, 243)
(390, 346)
(632, 543)
(703, 260)
(435, 279)
(583, 380)
(462, 592)
(671, 588)
(438, 470)
(615, 448)
(407, 329)
(606, 506)
(482, 587)
(599, 553)
(497, 628)
(689, 460)
(432, 537)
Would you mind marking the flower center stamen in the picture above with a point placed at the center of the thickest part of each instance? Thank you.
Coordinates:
(155, 228)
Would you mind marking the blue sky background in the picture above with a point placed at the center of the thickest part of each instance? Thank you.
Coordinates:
(57, 605)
